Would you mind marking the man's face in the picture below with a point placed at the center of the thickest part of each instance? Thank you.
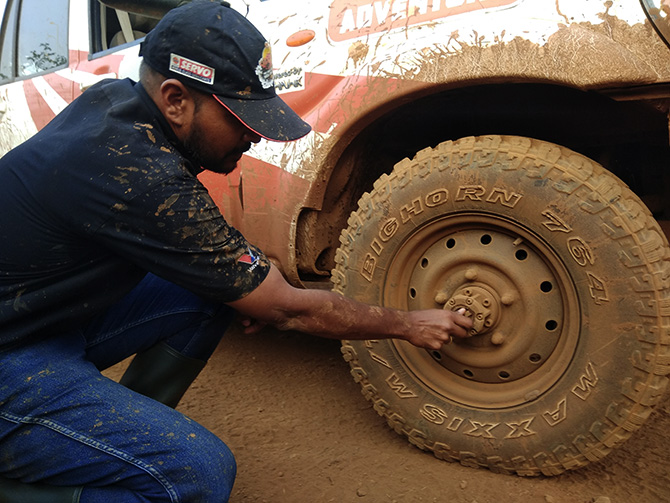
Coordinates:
(217, 139)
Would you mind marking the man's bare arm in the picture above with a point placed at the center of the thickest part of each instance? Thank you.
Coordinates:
(327, 314)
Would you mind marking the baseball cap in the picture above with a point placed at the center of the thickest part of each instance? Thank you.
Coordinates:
(212, 48)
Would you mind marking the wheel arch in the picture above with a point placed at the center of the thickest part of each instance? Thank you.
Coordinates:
(629, 138)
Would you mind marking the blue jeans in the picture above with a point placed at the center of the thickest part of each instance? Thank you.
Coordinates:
(63, 423)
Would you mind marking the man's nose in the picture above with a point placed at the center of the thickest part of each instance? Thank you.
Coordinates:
(251, 136)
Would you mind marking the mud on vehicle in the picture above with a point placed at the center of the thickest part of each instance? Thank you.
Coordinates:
(509, 157)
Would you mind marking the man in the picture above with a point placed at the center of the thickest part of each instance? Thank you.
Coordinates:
(111, 247)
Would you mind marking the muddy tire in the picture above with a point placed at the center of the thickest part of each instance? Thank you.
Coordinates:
(566, 276)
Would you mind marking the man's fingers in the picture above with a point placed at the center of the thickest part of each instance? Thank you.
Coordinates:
(435, 328)
(462, 324)
(251, 326)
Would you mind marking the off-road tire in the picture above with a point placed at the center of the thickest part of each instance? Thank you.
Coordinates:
(566, 275)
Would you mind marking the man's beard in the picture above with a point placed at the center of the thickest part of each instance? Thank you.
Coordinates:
(198, 150)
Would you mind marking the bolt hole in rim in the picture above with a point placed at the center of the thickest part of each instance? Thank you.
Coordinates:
(517, 290)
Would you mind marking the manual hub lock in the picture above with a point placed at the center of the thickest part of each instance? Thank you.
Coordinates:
(480, 304)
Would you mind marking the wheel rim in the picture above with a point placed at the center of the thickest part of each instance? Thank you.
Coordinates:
(519, 294)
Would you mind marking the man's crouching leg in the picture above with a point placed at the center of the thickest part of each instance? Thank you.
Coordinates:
(173, 332)
(162, 373)
(62, 424)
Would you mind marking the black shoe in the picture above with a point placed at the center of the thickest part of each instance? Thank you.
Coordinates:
(13, 491)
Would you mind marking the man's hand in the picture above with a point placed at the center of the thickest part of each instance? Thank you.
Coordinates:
(430, 329)
(251, 325)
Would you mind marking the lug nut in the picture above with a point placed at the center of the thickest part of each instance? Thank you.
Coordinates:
(497, 338)
(441, 298)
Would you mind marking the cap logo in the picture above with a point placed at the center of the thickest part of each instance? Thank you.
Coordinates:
(264, 68)
(191, 69)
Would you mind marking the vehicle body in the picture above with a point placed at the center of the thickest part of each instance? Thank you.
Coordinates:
(531, 97)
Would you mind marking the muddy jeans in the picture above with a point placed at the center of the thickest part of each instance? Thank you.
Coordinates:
(63, 423)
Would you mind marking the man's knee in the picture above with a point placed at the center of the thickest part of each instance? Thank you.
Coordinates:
(203, 469)
(199, 470)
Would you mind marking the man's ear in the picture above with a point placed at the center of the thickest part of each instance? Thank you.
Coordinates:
(177, 105)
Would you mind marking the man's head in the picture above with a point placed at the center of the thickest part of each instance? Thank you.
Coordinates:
(220, 58)
(211, 135)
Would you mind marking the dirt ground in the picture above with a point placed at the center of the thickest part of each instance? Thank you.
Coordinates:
(303, 433)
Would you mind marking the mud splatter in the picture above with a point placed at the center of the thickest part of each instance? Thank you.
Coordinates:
(582, 55)
(122, 177)
(167, 204)
(19, 304)
(357, 53)
(119, 151)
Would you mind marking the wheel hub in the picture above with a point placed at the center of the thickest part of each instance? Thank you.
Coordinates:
(513, 289)
(480, 304)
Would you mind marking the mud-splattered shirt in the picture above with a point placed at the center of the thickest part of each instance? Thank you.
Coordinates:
(94, 201)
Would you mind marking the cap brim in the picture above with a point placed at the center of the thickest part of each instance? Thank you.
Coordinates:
(271, 118)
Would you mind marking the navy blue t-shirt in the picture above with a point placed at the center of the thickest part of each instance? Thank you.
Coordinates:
(98, 198)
